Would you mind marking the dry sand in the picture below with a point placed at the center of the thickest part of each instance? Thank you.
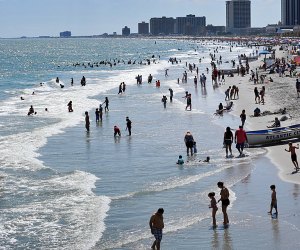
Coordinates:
(279, 94)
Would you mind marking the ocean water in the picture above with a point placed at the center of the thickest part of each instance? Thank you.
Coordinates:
(64, 188)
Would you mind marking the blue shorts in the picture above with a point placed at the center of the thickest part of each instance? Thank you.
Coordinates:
(157, 233)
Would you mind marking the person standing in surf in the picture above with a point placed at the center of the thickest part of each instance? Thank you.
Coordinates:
(240, 139)
(156, 224)
(225, 201)
(189, 102)
(87, 121)
(214, 207)
(189, 142)
(106, 101)
(228, 139)
(128, 125)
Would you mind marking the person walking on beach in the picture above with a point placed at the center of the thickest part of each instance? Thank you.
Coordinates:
(87, 121)
(189, 142)
(273, 200)
(225, 202)
(106, 101)
(189, 102)
(214, 207)
(228, 139)
(292, 149)
(240, 138)
(128, 125)
(171, 94)
(243, 117)
(256, 93)
(156, 224)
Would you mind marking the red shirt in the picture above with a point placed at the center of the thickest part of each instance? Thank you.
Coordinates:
(240, 136)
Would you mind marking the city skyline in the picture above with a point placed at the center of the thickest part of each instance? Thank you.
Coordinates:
(95, 17)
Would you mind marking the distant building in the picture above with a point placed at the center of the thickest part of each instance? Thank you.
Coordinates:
(238, 16)
(143, 28)
(65, 34)
(162, 25)
(190, 25)
(290, 12)
(215, 30)
(125, 31)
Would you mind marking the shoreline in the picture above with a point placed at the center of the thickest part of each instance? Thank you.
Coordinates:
(276, 153)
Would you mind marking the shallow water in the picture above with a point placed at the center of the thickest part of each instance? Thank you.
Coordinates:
(78, 190)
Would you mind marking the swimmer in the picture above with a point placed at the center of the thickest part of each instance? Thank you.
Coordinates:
(180, 161)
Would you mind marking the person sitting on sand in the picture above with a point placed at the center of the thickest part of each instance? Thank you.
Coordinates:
(257, 112)
(180, 161)
(276, 123)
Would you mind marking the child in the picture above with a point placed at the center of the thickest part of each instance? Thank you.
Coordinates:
(273, 200)
(292, 149)
(180, 161)
(195, 147)
(213, 205)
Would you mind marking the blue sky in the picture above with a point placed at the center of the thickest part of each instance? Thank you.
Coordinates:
(92, 17)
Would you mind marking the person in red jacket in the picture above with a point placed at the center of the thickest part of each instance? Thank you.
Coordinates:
(240, 138)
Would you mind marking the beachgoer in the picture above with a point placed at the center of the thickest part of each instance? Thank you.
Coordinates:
(273, 200)
(87, 121)
(31, 111)
(195, 147)
(164, 100)
(243, 117)
(100, 112)
(180, 160)
(276, 123)
(189, 102)
(70, 107)
(228, 139)
(256, 93)
(292, 149)
(117, 131)
(156, 224)
(240, 138)
(106, 101)
(214, 207)
(189, 142)
(225, 201)
(97, 113)
(171, 94)
(128, 125)
(256, 112)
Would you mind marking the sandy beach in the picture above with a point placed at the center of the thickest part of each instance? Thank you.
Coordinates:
(281, 93)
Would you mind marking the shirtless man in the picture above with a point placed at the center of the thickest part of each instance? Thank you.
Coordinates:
(292, 149)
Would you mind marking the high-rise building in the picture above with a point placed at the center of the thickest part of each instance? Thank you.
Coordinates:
(125, 31)
(290, 12)
(143, 28)
(162, 25)
(65, 34)
(238, 16)
(190, 25)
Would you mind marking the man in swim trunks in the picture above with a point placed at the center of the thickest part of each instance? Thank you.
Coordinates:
(292, 149)
(240, 138)
(156, 224)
